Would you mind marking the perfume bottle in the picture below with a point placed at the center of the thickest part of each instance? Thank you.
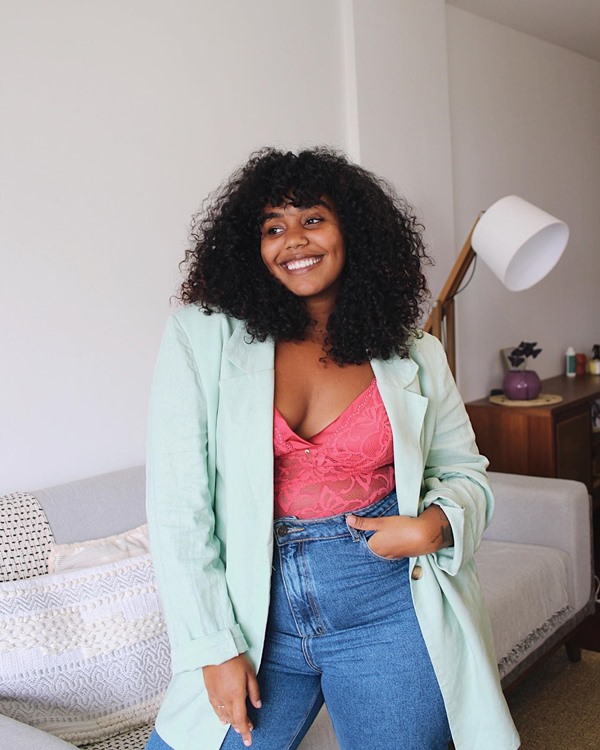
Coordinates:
(594, 363)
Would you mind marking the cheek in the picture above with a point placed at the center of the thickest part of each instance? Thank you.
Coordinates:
(264, 254)
(267, 258)
(339, 244)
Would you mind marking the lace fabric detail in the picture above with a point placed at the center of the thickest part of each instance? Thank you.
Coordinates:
(345, 467)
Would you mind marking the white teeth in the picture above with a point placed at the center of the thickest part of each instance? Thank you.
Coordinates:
(294, 265)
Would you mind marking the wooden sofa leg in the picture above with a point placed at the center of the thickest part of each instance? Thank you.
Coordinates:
(573, 651)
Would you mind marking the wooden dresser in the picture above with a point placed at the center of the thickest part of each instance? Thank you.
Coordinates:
(546, 441)
(557, 440)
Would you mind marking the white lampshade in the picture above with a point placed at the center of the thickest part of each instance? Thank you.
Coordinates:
(519, 242)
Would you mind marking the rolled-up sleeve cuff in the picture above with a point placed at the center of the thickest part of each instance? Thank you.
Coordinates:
(449, 559)
(210, 649)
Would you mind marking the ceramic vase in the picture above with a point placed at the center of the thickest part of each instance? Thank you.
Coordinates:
(522, 385)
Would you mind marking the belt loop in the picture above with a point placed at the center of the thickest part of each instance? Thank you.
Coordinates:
(354, 533)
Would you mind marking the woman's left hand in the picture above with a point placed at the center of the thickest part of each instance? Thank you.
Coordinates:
(403, 536)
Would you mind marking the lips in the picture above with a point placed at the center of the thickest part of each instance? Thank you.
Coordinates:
(299, 264)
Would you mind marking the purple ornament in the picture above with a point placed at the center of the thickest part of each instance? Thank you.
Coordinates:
(522, 385)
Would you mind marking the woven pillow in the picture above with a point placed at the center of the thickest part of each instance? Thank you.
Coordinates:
(25, 537)
(84, 654)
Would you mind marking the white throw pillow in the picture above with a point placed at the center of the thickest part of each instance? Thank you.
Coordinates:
(79, 555)
(84, 655)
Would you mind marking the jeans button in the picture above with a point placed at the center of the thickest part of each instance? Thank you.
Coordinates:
(417, 573)
(282, 530)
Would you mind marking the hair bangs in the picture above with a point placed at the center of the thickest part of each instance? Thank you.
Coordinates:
(300, 181)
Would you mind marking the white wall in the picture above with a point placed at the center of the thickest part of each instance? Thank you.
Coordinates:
(117, 118)
(403, 112)
(525, 120)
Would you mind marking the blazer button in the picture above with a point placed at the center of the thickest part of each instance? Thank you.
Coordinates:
(417, 573)
(282, 530)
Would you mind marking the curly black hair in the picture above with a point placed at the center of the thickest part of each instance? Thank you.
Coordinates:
(383, 287)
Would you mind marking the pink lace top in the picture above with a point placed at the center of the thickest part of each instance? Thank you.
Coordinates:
(346, 466)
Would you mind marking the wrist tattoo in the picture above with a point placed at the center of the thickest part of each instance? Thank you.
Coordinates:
(444, 538)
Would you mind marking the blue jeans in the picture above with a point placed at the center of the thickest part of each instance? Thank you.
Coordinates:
(342, 630)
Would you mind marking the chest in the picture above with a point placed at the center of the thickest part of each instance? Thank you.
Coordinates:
(311, 391)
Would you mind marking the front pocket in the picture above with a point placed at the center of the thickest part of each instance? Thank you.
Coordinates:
(364, 539)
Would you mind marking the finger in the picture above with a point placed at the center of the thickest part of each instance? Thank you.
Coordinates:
(365, 524)
(254, 691)
(221, 710)
(382, 551)
(242, 724)
(245, 731)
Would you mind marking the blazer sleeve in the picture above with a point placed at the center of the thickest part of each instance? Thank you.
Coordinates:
(455, 472)
(180, 507)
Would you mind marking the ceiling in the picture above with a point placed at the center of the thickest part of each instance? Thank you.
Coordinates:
(574, 24)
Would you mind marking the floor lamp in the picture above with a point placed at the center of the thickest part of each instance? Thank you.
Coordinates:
(518, 241)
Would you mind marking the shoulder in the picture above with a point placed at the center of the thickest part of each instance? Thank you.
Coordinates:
(421, 371)
(426, 354)
(427, 350)
(201, 341)
(202, 337)
(201, 328)
(434, 374)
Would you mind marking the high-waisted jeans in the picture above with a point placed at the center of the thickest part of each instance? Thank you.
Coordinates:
(342, 630)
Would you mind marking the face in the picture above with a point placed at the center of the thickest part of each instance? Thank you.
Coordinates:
(304, 249)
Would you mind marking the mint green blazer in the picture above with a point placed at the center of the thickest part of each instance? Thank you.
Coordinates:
(210, 513)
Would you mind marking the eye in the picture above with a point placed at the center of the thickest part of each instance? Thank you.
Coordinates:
(314, 220)
(272, 231)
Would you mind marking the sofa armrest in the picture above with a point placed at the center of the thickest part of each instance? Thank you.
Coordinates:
(550, 512)
(14, 734)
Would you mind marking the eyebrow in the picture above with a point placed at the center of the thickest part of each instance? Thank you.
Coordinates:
(271, 215)
(279, 214)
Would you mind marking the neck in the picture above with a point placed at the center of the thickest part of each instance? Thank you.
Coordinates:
(316, 333)
(317, 328)
(319, 312)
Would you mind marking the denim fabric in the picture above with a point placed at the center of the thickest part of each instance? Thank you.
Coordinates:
(155, 742)
(342, 630)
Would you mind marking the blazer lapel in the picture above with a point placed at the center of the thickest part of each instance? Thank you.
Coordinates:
(406, 407)
(246, 397)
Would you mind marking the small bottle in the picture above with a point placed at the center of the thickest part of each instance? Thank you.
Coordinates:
(594, 363)
(570, 362)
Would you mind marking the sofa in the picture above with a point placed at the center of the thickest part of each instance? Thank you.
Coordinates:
(83, 648)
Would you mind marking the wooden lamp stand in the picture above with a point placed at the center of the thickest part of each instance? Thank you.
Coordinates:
(441, 322)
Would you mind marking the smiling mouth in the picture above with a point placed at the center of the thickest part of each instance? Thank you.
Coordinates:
(301, 263)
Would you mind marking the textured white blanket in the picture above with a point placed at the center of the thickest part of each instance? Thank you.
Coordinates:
(84, 654)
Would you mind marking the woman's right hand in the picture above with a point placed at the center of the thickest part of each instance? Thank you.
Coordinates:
(228, 685)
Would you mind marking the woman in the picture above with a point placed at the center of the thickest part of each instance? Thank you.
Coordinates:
(315, 495)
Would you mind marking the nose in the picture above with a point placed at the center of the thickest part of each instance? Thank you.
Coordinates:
(296, 237)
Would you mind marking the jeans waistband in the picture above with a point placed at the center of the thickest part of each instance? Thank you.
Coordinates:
(290, 529)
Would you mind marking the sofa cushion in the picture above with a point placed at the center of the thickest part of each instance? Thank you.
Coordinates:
(84, 654)
(20, 736)
(525, 588)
